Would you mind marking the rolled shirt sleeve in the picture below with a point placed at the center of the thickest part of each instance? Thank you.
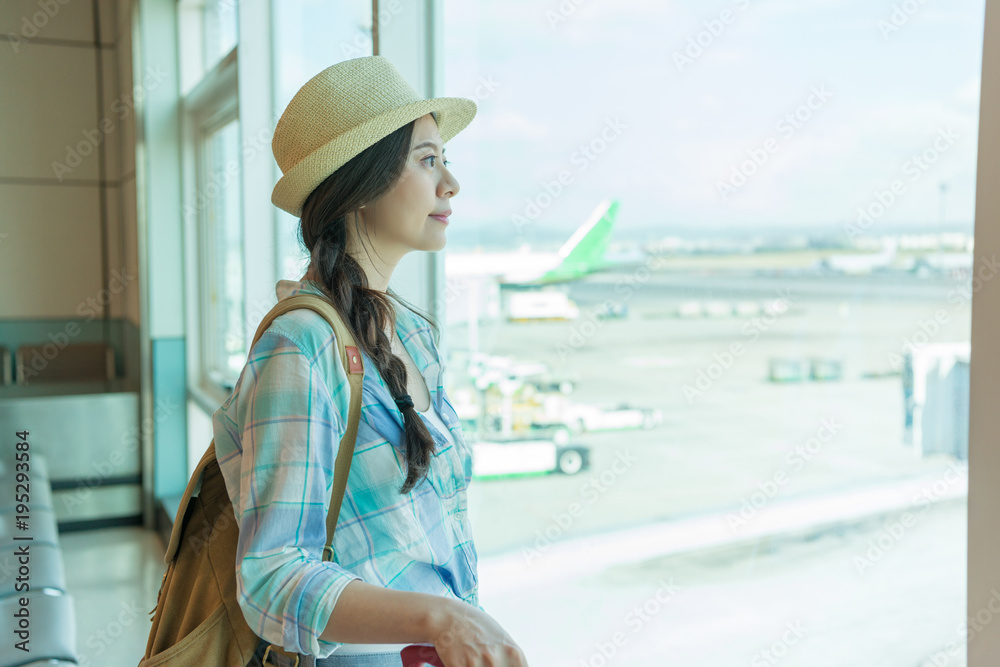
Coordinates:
(289, 428)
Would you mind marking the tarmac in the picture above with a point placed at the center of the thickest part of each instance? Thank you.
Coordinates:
(754, 506)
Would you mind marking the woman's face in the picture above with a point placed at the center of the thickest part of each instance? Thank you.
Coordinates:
(400, 220)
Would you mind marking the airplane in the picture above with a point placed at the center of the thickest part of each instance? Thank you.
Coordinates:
(860, 264)
(581, 254)
(944, 263)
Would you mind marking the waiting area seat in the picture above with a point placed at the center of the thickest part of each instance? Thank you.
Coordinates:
(76, 362)
(39, 468)
(50, 628)
(47, 571)
(46, 608)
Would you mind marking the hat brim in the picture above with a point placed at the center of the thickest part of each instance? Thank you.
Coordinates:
(453, 115)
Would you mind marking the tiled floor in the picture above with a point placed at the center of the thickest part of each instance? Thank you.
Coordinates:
(114, 575)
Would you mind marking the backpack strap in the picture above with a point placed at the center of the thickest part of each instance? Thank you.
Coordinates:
(350, 357)
(207, 459)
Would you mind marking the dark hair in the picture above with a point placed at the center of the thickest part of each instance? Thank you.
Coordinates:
(366, 312)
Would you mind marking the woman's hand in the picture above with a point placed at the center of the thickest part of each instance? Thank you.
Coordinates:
(465, 636)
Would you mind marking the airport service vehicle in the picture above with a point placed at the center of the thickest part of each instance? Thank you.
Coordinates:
(550, 384)
(581, 417)
(535, 305)
(504, 457)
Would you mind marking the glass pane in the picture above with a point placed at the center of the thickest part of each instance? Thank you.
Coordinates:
(225, 335)
(309, 36)
(710, 275)
(220, 29)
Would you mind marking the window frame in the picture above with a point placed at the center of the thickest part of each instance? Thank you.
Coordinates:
(211, 257)
(209, 105)
(982, 544)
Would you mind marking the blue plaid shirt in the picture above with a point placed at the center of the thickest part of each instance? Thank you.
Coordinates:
(276, 439)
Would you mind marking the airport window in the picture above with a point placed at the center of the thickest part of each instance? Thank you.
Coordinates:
(212, 189)
(709, 292)
(308, 37)
(208, 33)
(222, 245)
(219, 19)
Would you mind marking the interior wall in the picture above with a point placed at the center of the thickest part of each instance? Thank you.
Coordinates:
(67, 174)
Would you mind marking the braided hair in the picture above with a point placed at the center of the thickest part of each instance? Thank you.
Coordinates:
(367, 312)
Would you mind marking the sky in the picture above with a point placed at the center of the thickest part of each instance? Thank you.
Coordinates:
(807, 111)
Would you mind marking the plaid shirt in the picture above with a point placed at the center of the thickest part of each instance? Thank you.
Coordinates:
(276, 440)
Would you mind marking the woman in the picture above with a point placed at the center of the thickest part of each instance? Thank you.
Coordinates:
(362, 162)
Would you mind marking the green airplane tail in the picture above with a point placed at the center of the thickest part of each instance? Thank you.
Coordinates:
(584, 252)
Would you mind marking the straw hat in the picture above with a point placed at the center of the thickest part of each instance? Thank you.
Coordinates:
(343, 110)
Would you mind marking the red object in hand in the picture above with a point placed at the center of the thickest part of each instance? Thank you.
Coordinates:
(418, 655)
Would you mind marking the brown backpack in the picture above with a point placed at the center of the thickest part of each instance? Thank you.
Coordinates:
(197, 621)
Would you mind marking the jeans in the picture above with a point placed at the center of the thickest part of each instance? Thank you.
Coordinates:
(390, 659)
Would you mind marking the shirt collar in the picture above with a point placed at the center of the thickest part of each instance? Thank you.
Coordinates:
(406, 324)
(287, 288)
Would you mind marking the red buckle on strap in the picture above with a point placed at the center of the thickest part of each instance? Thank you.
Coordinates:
(354, 361)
